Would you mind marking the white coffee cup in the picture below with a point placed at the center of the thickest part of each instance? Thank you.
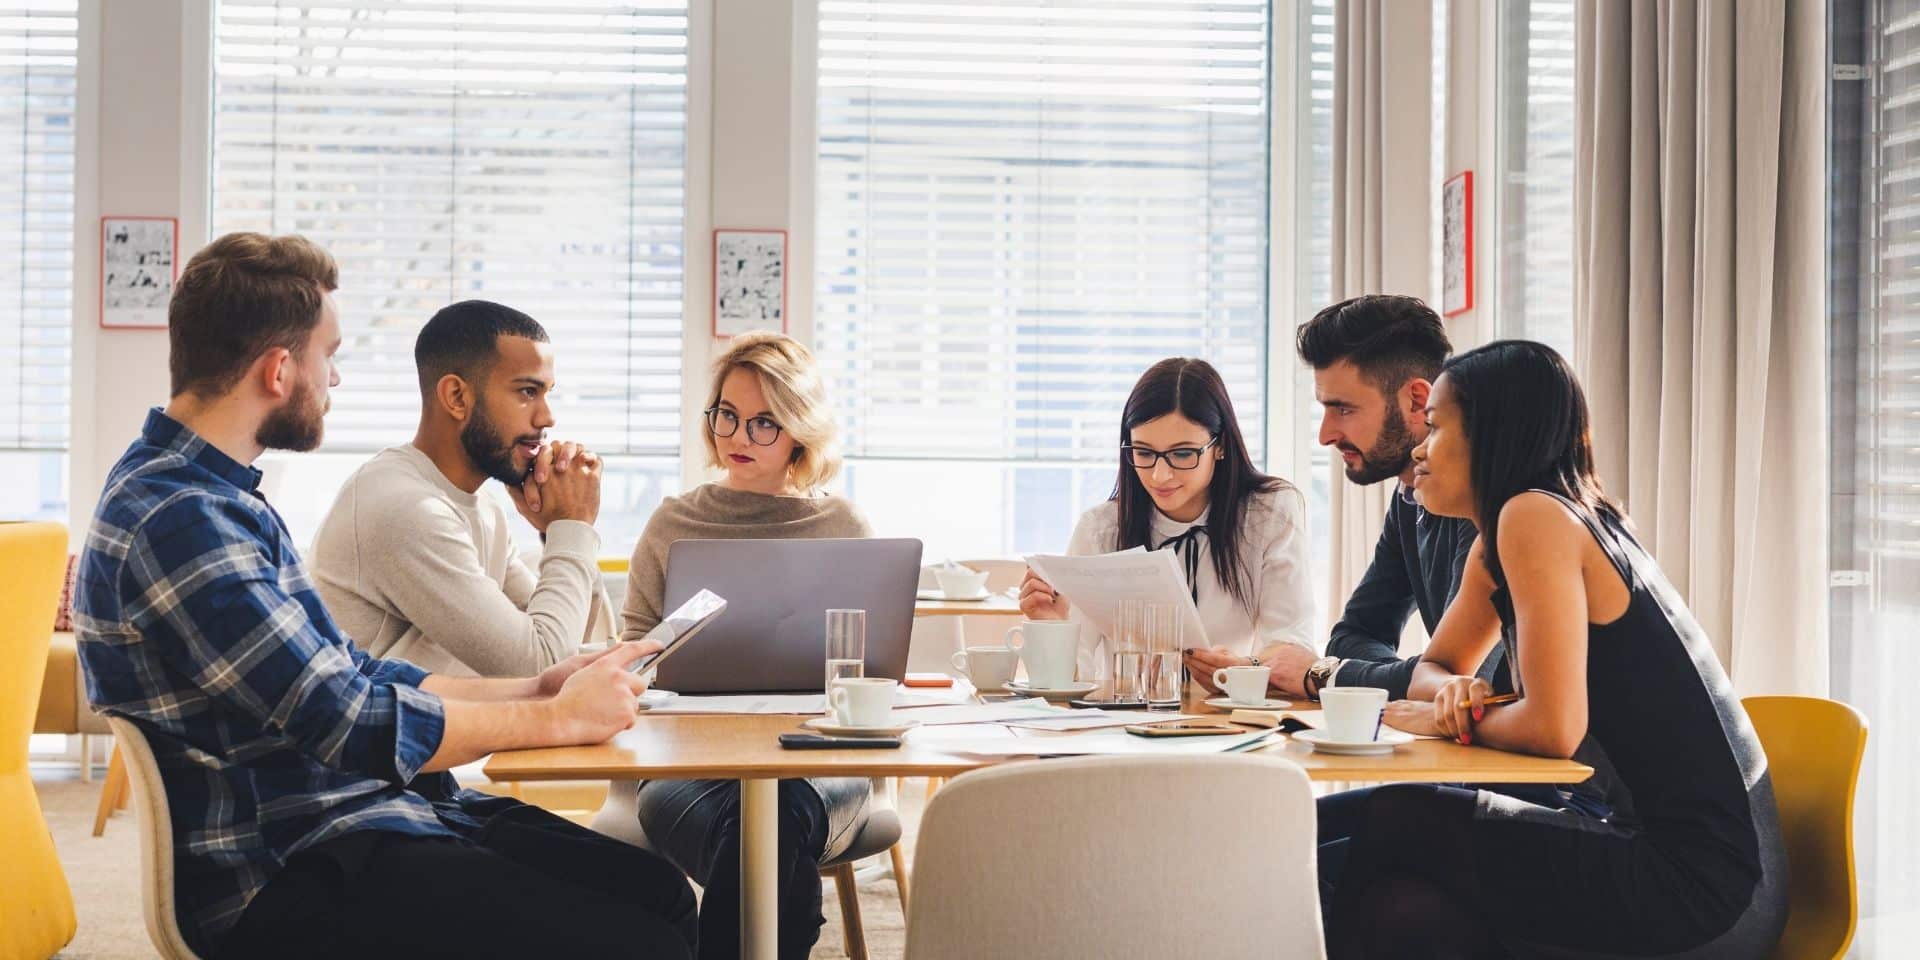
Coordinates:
(1353, 714)
(1051, 651)
(988, 667)
(861, 701)
(1245, 684)
(959, 582)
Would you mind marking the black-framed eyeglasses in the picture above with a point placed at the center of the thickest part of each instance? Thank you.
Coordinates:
(1179, 458)
(722, 422)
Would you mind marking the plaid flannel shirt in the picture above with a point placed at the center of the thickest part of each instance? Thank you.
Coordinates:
(198, 622)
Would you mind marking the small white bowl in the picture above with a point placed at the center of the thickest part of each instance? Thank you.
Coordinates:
(960, 581)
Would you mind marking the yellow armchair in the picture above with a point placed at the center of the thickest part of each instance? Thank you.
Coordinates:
(36, 906)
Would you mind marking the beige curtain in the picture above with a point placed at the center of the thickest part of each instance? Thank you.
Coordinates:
(1382, 133)
(1700, 309)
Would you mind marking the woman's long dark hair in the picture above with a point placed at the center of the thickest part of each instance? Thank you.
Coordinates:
(1193, 389)
(1525, 419)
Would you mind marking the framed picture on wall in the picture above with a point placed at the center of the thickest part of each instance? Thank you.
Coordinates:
(1456, 244)
(749, 281)
(138, 265)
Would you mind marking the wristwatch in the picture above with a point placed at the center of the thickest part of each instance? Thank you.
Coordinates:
(1319, 675)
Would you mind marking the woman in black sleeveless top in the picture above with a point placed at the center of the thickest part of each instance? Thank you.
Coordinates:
(1603, 645)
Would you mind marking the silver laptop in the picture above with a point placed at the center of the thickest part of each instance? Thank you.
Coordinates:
(772, 636)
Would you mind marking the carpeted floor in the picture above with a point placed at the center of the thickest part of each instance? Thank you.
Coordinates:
(104, 873)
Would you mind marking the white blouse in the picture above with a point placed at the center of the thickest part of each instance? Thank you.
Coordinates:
(1273, 550)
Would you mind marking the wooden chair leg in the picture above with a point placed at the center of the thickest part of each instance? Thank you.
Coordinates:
(899, 854)
(86, 758)
(110, 791)
(845, 885)
(126, 791)
(934, 784)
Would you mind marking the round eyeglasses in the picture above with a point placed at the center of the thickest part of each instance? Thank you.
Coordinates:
(1179, 458)
(722, 422)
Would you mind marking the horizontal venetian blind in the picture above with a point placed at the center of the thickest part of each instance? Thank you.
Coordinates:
(528, 153)
(1021, 205)
(38, 47)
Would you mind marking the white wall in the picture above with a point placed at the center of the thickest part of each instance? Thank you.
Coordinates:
(136, 137)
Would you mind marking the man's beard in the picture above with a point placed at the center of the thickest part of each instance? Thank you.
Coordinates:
(489, 451)
(1392, 453)
(297, 426)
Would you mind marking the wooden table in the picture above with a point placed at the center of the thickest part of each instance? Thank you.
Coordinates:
(997, 605)
(746, 748)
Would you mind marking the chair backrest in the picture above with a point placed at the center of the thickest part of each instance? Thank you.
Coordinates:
(1119, 857)
(1814, 748)
(36, 905)
(156, 842)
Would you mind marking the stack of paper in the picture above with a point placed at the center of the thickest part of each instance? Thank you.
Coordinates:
(1096, 742)
(1096, 585)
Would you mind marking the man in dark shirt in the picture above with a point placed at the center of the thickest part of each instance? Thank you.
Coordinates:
(1374, 359)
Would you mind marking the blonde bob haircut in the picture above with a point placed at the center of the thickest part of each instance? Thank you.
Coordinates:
(796, 396)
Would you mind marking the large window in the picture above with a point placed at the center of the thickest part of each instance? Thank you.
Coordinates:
(1535, 171)
(1875, 370)
(516, 152)
(38, 50)
(1019, 209)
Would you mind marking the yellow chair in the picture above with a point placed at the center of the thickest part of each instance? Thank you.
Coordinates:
(36, 906)
(1814, 747)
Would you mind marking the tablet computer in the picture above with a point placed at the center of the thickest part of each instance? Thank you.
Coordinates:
(679, 627)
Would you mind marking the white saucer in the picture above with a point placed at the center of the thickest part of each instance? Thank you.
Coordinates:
(827, 726)
(1228, 703)
(1067, 692)
(656, 698)
(984, 594)
(1322, 743)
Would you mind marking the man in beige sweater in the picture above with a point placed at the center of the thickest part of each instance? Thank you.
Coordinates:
(416, 565)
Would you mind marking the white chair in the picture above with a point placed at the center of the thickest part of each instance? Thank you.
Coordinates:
(619, 818)
(156, 842)
(1120, 857)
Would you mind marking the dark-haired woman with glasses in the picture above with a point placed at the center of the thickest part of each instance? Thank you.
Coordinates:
(1603, 647)
(1187, 484)
(769, 432)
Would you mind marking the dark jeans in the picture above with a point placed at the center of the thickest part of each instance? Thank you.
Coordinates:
(1341, 814)
(528, 884)
(696, 825)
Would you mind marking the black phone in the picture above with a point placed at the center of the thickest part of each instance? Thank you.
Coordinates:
(1109, 704)
(815, 741)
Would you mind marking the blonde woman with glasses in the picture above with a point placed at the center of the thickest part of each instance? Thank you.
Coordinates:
(768, 430)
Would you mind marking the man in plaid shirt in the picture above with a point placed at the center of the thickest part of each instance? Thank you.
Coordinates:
(311, 811)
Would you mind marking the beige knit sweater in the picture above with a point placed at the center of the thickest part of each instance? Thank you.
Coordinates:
(713, 512)
(415, 568)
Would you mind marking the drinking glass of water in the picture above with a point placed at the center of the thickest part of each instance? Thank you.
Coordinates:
(1165, 680)
(846, 645)
(1129, 651)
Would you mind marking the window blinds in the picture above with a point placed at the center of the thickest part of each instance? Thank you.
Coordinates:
(529, 153)
(38, 47)
(1021, 205)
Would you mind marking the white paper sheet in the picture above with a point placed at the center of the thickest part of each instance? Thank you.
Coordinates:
(1096, 742)
(1094, 719)
(979, 712)
(918, 699)
(1096, 585)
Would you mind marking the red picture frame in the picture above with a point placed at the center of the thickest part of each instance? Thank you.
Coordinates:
(1456, 244)
(745, 303)
(119, 312)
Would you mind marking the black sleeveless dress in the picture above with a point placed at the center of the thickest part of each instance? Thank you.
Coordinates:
(1703, 871)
